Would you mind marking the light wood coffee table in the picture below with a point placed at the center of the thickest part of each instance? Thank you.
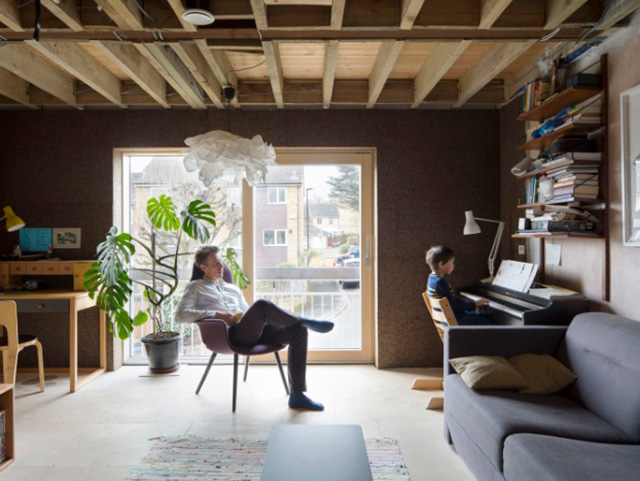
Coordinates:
(316, 453)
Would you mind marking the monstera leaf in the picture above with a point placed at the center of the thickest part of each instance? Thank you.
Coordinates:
(114, 255)
(239, 278)
(195, 220)
(162, 213)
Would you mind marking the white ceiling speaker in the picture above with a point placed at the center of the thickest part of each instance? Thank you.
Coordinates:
(197, 12)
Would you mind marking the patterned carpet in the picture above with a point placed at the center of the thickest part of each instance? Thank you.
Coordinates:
(190, 458)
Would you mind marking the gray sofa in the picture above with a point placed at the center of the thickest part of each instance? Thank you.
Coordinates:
(590, 431)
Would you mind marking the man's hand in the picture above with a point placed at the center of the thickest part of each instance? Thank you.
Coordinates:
(482, 303)
(226, 317)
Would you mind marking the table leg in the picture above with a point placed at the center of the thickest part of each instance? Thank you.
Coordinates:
(73, 345)
(103, 340)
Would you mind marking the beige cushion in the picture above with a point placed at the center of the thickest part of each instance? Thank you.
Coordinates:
(544, 373)
(488, 372)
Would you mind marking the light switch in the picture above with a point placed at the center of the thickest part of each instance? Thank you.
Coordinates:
(522, 250)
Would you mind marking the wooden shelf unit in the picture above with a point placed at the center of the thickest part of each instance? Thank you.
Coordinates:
(545, 141)
(567, 98)
(6, 403)
(11, 272)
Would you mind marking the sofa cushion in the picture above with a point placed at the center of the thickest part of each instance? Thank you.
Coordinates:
(531, 457)
(544, 373)
(488, 372)
(602, 350)
(488, 417)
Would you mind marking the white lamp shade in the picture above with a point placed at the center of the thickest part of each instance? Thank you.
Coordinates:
(470, 225)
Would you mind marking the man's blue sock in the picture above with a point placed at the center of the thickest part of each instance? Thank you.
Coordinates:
(300, 400)
(317, 326)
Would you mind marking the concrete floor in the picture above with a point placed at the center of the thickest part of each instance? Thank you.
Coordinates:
(98, 433)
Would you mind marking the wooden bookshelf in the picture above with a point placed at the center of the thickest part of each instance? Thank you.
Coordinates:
(567, 98)
(543, 142)
(6, 403)
(558, 235)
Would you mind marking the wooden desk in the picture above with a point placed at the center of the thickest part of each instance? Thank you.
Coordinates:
(50, 301)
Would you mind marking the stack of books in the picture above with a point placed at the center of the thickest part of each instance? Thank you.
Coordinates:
(588, 112)
(575, 181)
(535, 93)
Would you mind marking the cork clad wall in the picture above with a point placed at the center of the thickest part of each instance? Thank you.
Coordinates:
(56, 171)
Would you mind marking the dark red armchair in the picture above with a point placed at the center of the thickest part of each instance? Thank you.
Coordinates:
(215, 335)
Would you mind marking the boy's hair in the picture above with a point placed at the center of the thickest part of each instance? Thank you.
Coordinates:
(437, 255)
(203, 253)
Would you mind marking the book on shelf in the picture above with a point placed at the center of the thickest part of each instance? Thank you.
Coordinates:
(3, 436)
(576, 190)
(535, 93)
(569, 158)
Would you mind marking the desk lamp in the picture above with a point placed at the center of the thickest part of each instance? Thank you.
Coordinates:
(471, 227)
(14, 222)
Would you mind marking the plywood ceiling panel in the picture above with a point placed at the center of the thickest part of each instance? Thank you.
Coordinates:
(302, 60)
(248, 66)
(356, 59)
(470, 56)
(410, 60)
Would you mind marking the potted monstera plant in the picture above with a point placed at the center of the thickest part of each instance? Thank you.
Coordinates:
(111, 278)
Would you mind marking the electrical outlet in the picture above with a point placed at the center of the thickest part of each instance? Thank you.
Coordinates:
(522, 250)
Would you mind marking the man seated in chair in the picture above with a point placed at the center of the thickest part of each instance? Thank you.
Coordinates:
(209, 296)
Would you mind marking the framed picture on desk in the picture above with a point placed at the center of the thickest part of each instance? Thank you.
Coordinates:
(67, 237)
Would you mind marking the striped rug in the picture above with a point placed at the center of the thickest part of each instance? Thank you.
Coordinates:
(190, 458)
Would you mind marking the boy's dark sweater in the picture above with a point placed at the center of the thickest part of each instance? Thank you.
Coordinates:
(438, 287)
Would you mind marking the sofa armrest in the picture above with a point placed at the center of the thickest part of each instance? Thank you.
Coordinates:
(499, 341)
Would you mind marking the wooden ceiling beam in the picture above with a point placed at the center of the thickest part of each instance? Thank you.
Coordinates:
(386, 59)
(10, 15)
(29, 66)
(492, 62)
(559, 10)
(337, 14)
(137, 68)
(14, 87)
(191, 56)
(490, 11)
(618, 12)
(124, 13)
(437, 64)
(66, 11)
(410, 11)
(220, 66)
(82, 65)
(329, 71)
(274, 65)
(526, 73)
(178, 7)
(260, 14)
(173, 71)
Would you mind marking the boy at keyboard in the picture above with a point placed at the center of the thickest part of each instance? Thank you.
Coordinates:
(441, 261)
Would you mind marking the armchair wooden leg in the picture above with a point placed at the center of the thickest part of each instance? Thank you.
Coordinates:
(246, 368)
(284, 379)
(206, 371)
(40, 365)
(235, 381)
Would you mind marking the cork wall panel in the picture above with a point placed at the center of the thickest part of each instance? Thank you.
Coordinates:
(432, 166)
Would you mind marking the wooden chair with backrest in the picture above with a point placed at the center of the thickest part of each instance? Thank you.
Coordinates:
(443, 317)
(13, 343)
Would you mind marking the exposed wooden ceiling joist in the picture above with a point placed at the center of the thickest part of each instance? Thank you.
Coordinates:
(173, 72)
(178, 7)
(436, 65)
(66, 11)
(124, 13)
(220, 66)
(82, 65)
(526, 73)
(25, 63)
(14, 88)
(260, 14)
(191, 56)
(617, 12)
(410, 10)
(10, 15)
(386, 59)
(329, 71)
(560, 10)
(274, 65)
(490, 10)
(337, 14)
(496, 59)
(137, 68)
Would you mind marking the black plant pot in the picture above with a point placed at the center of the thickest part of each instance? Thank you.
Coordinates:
(162, 352)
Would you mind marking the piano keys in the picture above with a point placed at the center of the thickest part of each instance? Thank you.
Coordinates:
(515, 308)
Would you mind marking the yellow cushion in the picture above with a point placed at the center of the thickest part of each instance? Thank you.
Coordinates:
(488, 372)
(544, 373)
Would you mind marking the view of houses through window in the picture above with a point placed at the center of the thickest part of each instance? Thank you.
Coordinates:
(306, 233)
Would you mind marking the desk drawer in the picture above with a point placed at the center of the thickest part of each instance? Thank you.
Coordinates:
(17, 268)
(66, 268)
(42, 305)
(35, 268)
(50, 269)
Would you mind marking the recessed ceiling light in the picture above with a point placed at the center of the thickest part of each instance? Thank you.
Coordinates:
(197, 12)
